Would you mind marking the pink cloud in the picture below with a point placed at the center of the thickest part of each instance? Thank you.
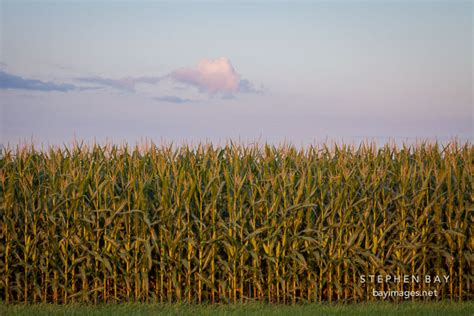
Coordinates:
(212, 76)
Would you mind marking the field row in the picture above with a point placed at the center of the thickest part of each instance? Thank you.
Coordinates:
(235, 223)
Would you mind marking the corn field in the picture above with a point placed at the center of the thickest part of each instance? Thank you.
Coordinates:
(233, 223)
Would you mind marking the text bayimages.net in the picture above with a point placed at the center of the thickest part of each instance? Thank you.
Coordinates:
(405, 279)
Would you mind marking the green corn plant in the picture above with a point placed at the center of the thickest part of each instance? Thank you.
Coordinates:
(167, 223)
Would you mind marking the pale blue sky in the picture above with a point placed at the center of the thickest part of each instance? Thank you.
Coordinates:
(343, 71)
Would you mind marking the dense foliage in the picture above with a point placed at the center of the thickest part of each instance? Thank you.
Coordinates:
(226, 224)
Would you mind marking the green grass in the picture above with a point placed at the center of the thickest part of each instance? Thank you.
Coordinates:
(378, 308)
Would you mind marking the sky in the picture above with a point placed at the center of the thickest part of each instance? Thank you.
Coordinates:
(266, 71)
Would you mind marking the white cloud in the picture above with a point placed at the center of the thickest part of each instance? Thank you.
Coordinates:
(213, 76)
(216, 77)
